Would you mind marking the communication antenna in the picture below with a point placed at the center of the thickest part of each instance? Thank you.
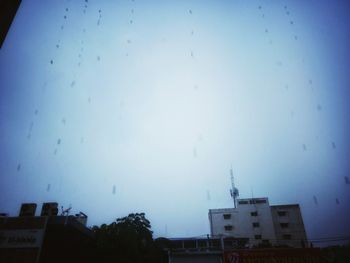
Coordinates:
(233, 191)
(65, 212)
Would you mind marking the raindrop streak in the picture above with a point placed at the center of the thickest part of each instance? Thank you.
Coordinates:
(55, 151)
(114, 189)
(337, 201)
(347, 180)
(208, 196)
(319, 107)
(194, 152)
(36, 112)
(51, 61)
(31, 126)
(18, 167)
(315, 200)
(72, 84)
(63, 121)
(48, 188)
(190, 11)
(304, 147)
(59, 141)
(333, 145)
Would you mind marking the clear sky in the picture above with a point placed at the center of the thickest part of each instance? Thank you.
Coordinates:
(115, 107)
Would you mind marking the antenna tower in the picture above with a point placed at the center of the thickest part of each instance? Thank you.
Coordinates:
(233, 191)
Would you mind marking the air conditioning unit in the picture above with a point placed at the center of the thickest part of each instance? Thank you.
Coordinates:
(49, 209)
(27, 209)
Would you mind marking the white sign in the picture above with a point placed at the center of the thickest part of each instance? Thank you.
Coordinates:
(22, 238)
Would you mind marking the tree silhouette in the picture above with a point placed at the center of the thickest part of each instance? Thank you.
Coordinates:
(128, 239)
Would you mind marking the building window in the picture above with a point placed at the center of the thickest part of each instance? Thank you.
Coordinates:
(255, 213)
(257, 201)
(215, 243)
(228, 228)
(176, 244)
(242, 202)
(257, 236)
(190, 244)
(202, 243)
(287, 236)
(282, 213)
(227, 216)
(284, 225)
(256, 224)
(266, 241)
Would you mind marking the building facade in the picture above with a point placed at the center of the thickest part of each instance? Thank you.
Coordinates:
(46, 238)
(289, 225)
(262, 224)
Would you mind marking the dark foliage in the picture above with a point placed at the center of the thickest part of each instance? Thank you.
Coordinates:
(128, 239)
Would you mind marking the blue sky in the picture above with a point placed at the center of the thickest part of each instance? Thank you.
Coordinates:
(125, 106)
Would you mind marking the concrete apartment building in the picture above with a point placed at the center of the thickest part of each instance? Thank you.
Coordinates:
(288, 224)
(47, 238)
(255, 219)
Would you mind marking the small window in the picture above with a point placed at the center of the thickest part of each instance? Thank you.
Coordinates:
(190, 243)
(260, 201)
(202, 243)
(281, 213)
(287, 236)
(215, 243)
(257, 236)
(255, 213)
(242, 202)
(227, 216)
(256, 224)
(176, 244)
(257, 201)
(228, 228)
(284, 225)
